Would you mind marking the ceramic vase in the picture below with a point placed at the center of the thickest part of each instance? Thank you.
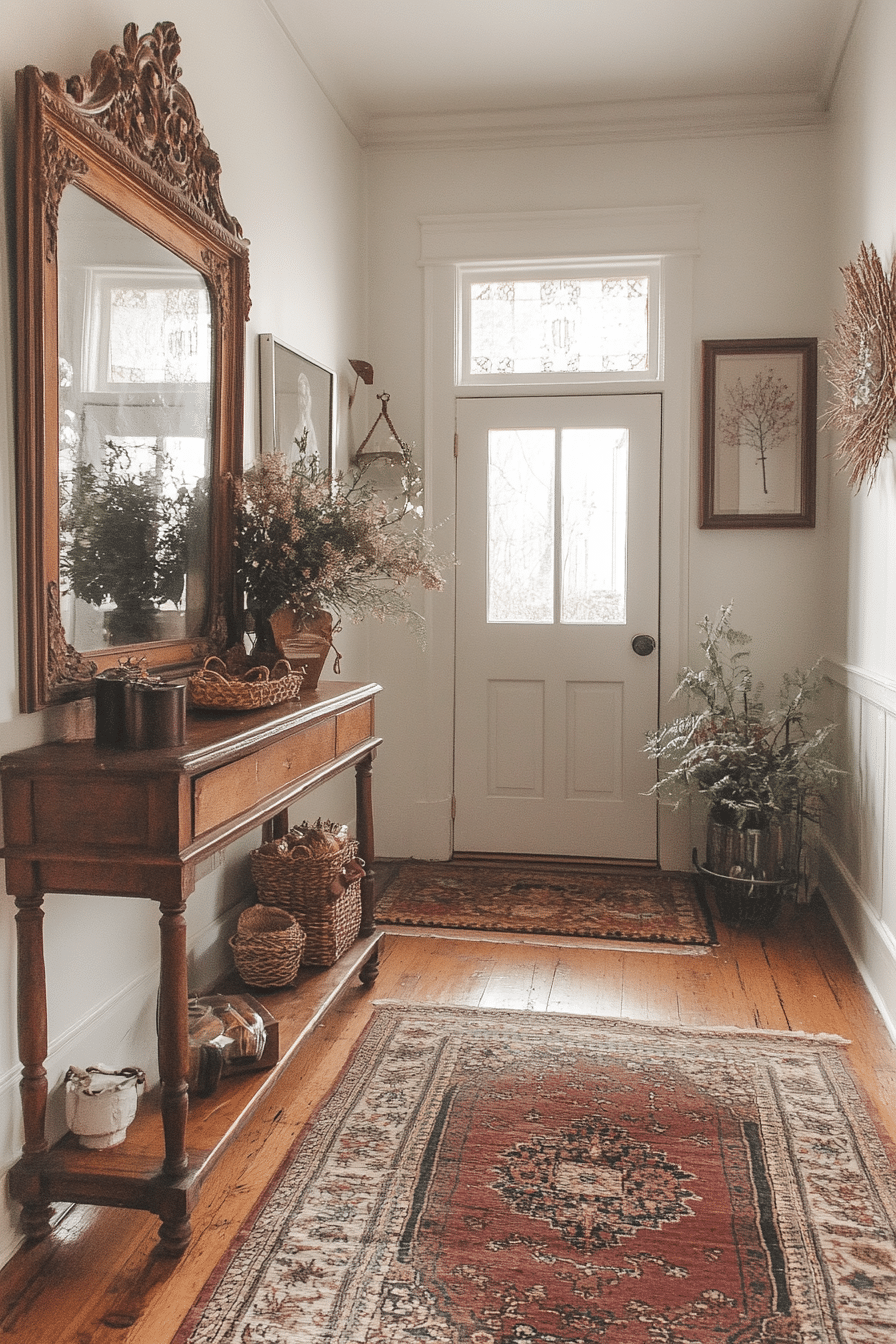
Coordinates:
(101, 1102)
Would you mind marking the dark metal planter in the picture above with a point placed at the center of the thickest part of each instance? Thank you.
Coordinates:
(746, 902)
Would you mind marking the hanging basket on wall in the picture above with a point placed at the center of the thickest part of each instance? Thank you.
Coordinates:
(862, 366)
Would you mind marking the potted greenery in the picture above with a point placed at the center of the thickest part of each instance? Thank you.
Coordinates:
(125, 539)
(311, 546)
(761, 772)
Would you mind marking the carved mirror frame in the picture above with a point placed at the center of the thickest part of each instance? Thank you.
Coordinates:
(128, 133)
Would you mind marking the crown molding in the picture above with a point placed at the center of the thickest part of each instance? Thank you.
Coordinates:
(845, 18)
(595, 123)
(611, 231)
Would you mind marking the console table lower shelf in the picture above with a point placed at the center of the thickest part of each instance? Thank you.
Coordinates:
(131, 1175)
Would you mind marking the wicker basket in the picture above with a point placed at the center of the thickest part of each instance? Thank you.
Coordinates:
(213, 687)
(322, 890)
(267, 947)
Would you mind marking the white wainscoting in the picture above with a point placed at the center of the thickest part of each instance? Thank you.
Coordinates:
(857, 859)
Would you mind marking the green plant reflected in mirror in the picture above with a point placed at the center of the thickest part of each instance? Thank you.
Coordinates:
(135, 373)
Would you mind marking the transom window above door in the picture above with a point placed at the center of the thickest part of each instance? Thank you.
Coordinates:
(559, 324)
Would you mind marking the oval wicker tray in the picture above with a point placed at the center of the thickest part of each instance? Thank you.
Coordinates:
(213, 687)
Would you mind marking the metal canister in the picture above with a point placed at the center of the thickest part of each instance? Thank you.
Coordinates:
(112, 690)
(157, 715)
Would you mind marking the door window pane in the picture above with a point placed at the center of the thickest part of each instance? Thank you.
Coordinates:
(521, 525)
(594, 489)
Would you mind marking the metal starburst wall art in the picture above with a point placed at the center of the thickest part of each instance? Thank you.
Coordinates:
(861, 367)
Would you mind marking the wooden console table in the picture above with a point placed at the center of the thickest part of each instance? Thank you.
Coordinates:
(79, 818)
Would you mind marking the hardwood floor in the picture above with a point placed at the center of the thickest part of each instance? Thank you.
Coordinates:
(98, 1278)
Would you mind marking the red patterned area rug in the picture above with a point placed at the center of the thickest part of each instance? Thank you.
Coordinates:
(634, 905)
(487, 1177)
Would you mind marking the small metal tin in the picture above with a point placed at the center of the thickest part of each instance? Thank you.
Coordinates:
(112, 692)
(157, 715)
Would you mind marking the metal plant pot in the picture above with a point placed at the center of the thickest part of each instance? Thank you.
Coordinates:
(750, 870)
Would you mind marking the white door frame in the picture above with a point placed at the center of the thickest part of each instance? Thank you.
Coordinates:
(525, 780)
(666, 232)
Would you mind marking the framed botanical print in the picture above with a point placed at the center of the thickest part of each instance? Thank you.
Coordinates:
(758, 434)
(297, 401)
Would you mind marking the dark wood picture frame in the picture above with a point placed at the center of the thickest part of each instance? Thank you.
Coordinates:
(295, 391)
(758, 440)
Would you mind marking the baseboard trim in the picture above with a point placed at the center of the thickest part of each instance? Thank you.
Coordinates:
(551, 860)
(869, 941)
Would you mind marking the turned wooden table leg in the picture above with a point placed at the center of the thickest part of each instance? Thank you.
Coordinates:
(32, 1016)
(174, 1063)
(366, 843)
(275, 827)
(371, 968)
(174, 1037)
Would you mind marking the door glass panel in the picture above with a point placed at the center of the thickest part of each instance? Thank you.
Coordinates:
(521, 526)
(594, 489)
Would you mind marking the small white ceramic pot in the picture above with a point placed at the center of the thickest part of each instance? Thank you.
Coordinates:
(101, 1102)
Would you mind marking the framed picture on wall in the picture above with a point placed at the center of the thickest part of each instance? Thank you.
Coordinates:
(296, 395)
(758, 435)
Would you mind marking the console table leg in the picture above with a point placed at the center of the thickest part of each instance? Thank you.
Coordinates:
(371, 968)
(275, 827)
(174, 1236)
(174, 1037)
(366, 844)
(32, 1015)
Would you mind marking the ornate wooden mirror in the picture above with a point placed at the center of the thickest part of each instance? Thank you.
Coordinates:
(133, 296)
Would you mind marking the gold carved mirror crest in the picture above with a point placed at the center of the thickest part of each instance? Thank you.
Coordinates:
(133, 297)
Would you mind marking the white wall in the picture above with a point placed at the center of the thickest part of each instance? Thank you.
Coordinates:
(760, 272)
(860, 867)
(293, 176)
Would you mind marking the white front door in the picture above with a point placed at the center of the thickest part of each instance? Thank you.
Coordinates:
(557, 573)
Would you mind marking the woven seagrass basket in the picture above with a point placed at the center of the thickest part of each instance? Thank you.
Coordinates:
(322, 890)
(213, 687)
(267, 947)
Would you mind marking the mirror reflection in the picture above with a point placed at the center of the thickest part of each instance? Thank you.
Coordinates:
(135, 449)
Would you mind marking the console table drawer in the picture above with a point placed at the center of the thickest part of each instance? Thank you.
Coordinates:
(232, 789)
(354, 726)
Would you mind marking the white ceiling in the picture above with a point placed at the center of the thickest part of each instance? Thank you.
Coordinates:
(385, 63)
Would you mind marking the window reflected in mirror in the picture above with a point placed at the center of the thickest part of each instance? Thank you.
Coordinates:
(135, 379)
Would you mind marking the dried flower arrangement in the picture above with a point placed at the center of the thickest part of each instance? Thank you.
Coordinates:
(308, 540)
(862, 366)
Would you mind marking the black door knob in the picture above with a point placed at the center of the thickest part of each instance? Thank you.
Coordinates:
(643, 645)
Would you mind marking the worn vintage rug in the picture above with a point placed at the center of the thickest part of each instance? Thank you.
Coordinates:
(487, 1177)
(634, 905)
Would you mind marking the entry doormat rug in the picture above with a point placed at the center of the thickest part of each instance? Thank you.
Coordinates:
(496, 1177)
(635, 906)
